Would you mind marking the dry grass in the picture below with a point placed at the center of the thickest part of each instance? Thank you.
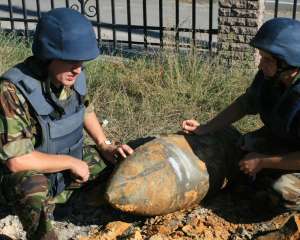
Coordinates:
(152, 95)
(147, 96)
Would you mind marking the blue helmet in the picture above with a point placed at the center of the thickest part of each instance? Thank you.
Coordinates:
(281, 38)
(64, 34)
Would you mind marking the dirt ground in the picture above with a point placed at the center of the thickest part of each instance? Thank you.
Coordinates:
(232, 214)
(236, 212)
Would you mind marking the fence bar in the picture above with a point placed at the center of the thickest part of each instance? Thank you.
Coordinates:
(154, 43)
(82, 6)
(177, 23)
(294, 9)
(113, 20)
(210, 24)
(22, 20)
(193, 22)
(25, 18)
(161, 24)
(98, 21)
(38, 9)
(68, 3)
(124, 27)
(30, 20)
(129, 23)
(145, 22)
(12, 24)
(276, 9)
(52, 4)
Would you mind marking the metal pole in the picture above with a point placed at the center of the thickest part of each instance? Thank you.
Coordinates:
(145, 23)
(177, 23)
(12, 24)
(82, 5)
(161, 33)
(38, 9)
(98, 22)
(210, 24)
(25, 19)
(193, 23)
(52, 4)
(294, 9)
(113, 19)
(129, 23)
(276, 9)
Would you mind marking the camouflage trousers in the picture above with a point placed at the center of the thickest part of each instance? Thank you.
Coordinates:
(31, 194)
(281, 185)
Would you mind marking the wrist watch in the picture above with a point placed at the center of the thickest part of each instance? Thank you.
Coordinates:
(107, 142)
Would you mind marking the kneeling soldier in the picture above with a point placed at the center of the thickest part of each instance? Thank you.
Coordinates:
(44, 109)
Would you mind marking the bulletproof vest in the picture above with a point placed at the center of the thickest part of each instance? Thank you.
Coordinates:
(61, 133)
(278, 106)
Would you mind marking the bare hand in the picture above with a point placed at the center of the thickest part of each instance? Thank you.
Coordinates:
(190, 126)
(252, 163)
(80, 170)
(111, 152)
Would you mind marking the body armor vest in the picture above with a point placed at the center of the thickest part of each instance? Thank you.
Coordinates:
(278, 107)
(62, 131)
(60, 135)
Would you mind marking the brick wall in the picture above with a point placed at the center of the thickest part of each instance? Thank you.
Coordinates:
(239, 21)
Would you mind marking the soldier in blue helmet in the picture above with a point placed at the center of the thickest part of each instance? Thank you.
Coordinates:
(43, 111)
(274, 149)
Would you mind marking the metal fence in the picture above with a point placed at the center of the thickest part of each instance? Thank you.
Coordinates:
(282, 8)
(294, 8)
(22, 16)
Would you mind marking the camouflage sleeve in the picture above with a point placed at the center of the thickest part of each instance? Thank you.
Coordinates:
(16, 123)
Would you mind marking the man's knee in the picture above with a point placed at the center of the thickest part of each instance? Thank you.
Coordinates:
(288, 186)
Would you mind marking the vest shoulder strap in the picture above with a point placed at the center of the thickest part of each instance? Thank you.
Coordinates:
(80, 84)
(31, 89)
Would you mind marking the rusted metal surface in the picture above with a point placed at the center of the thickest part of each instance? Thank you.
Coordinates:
(170, 173)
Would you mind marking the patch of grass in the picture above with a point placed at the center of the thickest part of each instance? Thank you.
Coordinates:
(13, 50)
(147, 96)
(152, 95)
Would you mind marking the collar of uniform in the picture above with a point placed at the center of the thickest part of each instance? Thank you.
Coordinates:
(62, 93)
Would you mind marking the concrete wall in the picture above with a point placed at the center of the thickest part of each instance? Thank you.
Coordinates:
(239, 21)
